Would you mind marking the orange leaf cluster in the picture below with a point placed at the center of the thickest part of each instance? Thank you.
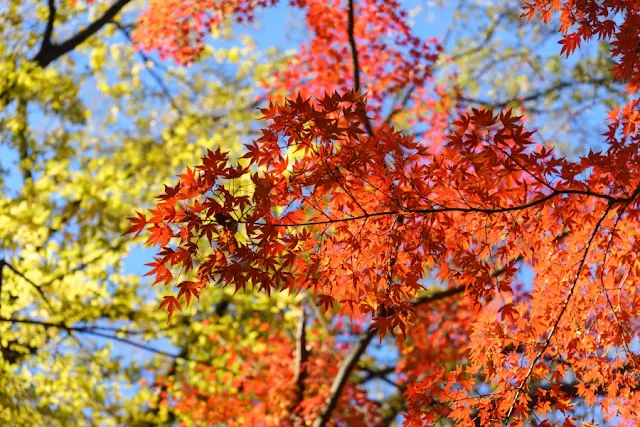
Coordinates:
(582, 20)
(361, 219)
(260, 391)
(363, 214)
(391, 59)
(176, 28)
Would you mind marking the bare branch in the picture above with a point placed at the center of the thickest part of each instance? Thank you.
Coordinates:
(436, 296)
(403, 104)
(354, 49)
(359, 349)
(48, 31)
(491, 31)
(356, 65)
(31, 282)
(379, 373)
(302, 357)
(382, 377)
(88, 330)
(50, 53)
(498, 105)
(340, 381)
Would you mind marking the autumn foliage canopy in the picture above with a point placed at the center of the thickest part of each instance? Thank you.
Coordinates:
(417, 237)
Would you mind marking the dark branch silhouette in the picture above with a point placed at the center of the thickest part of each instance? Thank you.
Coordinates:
(354, 57)
(352, 360)
(89, 330)
(50, 52)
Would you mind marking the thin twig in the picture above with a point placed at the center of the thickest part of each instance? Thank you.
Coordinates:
(354, 58)
(31, 282)
(534, 95)
(623, 336)
(403, 104)
(88, 331)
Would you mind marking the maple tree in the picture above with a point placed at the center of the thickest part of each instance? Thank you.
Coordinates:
(333, 203)
(92, 128)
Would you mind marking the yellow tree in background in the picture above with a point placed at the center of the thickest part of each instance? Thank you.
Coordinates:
(89, 130)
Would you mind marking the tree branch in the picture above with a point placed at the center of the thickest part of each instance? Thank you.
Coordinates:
(23, 140)
(359, 349)
(48, 31)
(354, 58)
(50, 53)
(534, 95)
(489, 211)
(31, 282)
(302, 356)
(89, 331)
(491, 31)
(163, 87)
(403, 104)
(436, 296)
(380, 373)
(354, 49)
(343, 375)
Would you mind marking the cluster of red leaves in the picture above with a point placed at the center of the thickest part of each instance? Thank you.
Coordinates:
(342, 174)
(176, 28)
(582, 20)
(359, 220)
(392, 61)
(74, 3)
(260, 389)
(615, 20)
